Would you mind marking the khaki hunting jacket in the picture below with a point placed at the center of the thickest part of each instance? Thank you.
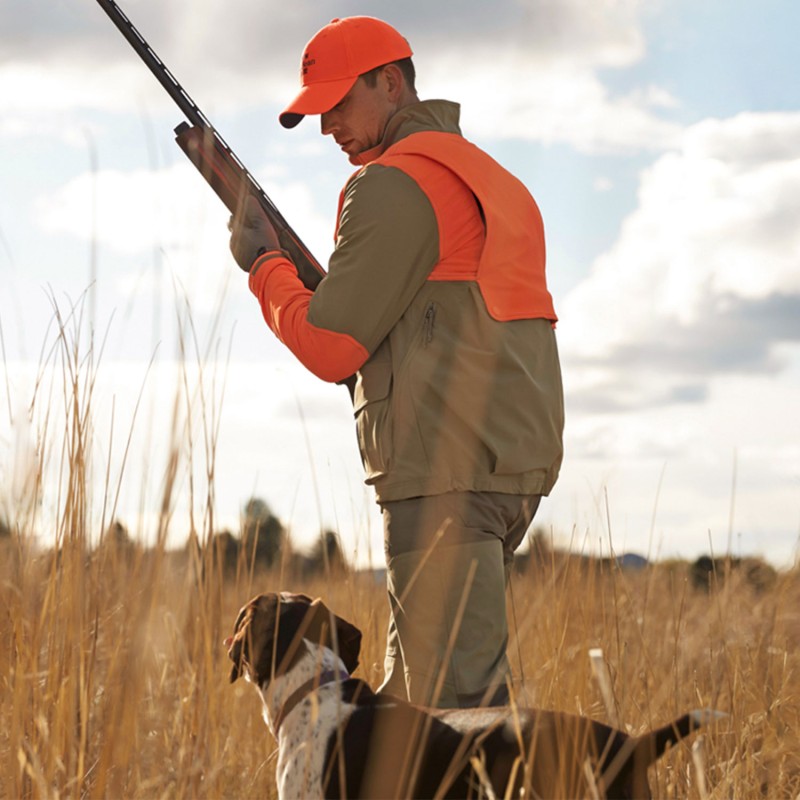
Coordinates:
(436, 299)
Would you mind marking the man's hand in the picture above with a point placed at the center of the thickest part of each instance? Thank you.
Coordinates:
(251, 234)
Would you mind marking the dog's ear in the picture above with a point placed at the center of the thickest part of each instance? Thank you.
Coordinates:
(235, 655)
(237, 644)
(252, 638)
(347, 638)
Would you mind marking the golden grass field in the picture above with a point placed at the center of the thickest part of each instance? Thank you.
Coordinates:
(115, 680)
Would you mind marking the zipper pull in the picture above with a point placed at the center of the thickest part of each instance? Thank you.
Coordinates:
(430, 317)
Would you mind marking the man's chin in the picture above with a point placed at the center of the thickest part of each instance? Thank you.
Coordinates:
(350, 148)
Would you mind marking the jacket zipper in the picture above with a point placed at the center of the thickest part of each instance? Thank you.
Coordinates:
(430, 318)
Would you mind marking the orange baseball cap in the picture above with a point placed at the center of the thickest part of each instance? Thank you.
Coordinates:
(334, 58)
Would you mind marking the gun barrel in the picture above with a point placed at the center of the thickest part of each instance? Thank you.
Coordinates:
(156, 65)
(217, 162)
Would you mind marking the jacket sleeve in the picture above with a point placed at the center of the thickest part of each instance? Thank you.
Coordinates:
(386, 246)
(284, 303)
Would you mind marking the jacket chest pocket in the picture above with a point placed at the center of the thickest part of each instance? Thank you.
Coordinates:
(371, 407)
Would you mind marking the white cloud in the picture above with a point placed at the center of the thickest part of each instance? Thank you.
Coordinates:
(602, 33)
(670, 469)
(129, 212)
(538, 79)
(681, 357)
(530, 69)
(547, 103)
(715, 235)
(36, 87)
(159, 232)
(170, 209)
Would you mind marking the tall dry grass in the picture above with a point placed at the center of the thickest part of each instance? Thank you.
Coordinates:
(114, 680)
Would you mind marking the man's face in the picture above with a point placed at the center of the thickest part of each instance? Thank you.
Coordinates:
(358, 121)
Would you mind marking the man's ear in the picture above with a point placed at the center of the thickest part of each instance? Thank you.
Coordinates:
(394, 81)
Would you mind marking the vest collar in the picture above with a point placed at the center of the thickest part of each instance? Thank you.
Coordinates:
(427, 115)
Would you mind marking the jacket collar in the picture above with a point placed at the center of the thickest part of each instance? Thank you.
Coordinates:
(427, 115)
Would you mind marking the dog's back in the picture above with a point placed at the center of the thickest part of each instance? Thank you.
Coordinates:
(390, 749)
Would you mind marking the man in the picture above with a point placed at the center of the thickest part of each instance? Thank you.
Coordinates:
(436, 300)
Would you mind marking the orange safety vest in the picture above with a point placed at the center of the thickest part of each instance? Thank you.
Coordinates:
(511, 269)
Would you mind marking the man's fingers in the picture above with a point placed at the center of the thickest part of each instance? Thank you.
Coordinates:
(254, 216)
(241, 221)
(251, 232)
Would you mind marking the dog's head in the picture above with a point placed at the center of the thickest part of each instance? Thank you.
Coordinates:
(269, 633)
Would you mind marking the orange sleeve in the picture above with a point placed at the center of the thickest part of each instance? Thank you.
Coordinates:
(284, 302)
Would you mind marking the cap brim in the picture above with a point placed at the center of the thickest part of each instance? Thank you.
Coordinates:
(317, 98)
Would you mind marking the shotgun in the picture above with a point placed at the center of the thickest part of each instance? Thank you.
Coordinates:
(215, 160)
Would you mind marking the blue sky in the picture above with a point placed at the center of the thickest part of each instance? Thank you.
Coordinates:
(661, 140)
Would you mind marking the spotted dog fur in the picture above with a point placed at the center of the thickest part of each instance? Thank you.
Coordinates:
(337, 738)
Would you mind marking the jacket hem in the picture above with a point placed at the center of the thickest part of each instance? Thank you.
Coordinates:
(540, 482)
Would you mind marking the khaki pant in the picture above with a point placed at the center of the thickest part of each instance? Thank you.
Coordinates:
(448, 559)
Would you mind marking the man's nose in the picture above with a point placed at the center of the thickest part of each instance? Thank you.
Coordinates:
(327, 123)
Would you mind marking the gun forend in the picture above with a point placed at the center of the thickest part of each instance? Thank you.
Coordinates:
(231, 184)
(219, 172)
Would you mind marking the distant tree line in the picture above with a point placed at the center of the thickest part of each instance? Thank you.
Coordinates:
(703, 574)
(263, 542)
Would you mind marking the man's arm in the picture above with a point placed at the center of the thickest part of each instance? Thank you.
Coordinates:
(386, 247)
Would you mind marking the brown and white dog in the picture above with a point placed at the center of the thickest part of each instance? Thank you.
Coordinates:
(337, 738)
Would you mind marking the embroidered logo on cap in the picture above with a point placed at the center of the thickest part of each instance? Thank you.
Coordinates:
(308, 62)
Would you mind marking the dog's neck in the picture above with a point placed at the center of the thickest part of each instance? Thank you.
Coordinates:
(317, 666)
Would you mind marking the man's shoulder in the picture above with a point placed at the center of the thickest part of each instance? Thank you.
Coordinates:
(378, 180)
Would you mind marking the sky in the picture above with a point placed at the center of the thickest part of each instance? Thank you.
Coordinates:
(661, 140)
